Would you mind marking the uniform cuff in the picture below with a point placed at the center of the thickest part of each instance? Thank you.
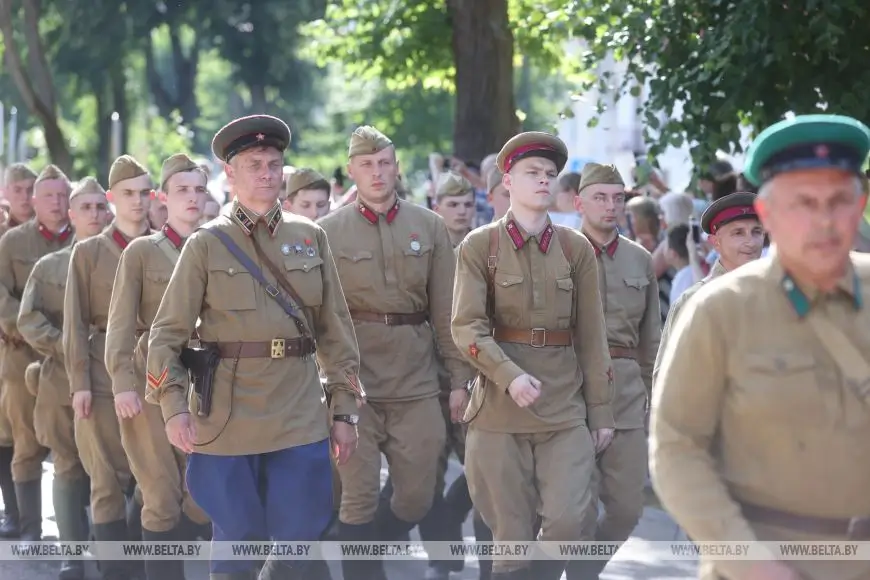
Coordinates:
(344, 403)
(173, 401)
(127, 386)
(79, 386)
(505, 374)
(600, 417)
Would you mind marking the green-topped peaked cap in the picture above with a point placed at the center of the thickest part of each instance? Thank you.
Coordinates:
(808, 142)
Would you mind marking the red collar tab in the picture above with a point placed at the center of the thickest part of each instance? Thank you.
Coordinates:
(173, 236)
(609, 249)
(119, 239)
(513, 232)
(61, 236)
(546, 238)
(520, 151)
(372, 217)
(729, 215)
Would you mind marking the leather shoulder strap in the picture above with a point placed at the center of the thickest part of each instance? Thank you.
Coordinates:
(848, 357)
(491, 267)
(170, 252)
(566, 247)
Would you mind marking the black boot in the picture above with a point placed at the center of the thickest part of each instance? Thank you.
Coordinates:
(9, 522)
(163, 569)
(482, 533)
(275, 569)
(384, 503)
(548, 569)
(134, 520)
(29, 495)
(434, 528)
(71, 520)
(585, 569)
(112, 569)
(360, 569)
(388, 527)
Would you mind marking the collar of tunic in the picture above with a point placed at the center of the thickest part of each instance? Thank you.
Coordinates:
(371, 216)
(173, 236)
(803, 299)
(520, 237)
(248, 219)
(609, 248)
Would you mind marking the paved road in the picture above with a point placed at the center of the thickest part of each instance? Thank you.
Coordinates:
(638, 559)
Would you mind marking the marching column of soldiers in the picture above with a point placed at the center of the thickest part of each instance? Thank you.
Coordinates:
(240, 380)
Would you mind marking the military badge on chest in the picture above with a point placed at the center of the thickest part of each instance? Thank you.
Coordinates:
(299, 249)
(415, 243)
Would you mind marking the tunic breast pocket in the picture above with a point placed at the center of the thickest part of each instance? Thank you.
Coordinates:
(355, 269)
(230, 288)
(416, 266)
(564, 301)
(779, 385)
(155, 286)
(510, 296)
(21, 267)
(634, 300)
(306, 278)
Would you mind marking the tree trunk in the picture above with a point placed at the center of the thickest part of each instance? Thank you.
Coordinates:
(104, 136)
(483, 52)
(35, 85)
(119, 101)
(258, 98)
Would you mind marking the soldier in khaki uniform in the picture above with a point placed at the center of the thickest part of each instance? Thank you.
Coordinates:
(264, 286)
(760, 415)
(306, 194)
(140, 281)
(497, 194)
(20, 248)
(86, 310)
(542, 405)
(396, 266)
(630, 296)
(732, 225)
(40, 320)
(454, 202)
(17, 191)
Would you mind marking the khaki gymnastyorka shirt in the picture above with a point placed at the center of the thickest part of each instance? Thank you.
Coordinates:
(140, 281)
(630, 295)
(20, 248)
(535, 287)
(259, 404)
(40, 322)
(750, 407)
(401, 262)
(86, 310)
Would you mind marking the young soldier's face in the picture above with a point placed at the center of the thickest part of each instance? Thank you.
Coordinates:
(457, 211)
(311, 203)
(530, 182)
(185, 197)
(500, 200)
(88, 214)
(132, 198)
(51, 200)
(375, 175)
(601, 206)
(19, 194)
(738, 242)
(813, 217)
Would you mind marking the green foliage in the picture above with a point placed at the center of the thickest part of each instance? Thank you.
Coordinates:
(731, 62)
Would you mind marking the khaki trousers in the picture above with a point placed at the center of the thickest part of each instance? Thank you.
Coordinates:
(98, 439)
(619, 483)
(5, 426)
(411, 435)
(159, 471)
(55, 428)
(514, 477)
(27, 459)
(453, 443)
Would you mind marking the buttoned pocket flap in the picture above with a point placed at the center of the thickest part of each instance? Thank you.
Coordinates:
(507, 280)
(639, 283)
(566, 284)
(303, 264)
(779, 363)
(158, 276)
(356, 256)
(231, 287)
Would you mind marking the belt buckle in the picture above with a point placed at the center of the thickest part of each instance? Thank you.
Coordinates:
(278, 348)
(388, 319)
(859, 528)
(533, 343)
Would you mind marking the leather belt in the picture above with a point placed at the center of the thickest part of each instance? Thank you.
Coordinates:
(622, 352)
(857, 528)
(536, 337)
(411, 319)
(276, 348)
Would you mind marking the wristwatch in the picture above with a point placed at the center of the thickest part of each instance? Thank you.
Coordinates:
(349, 419)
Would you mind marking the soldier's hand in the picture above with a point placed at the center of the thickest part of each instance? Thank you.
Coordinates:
(127, 405)
(525, 390)
(771, 571)
(181, 432)
(81, 404)
(344, 439)
(458, 402)
(602, 438)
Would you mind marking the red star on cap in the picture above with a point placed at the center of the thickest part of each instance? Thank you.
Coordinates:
(260, 136)
(822, 151)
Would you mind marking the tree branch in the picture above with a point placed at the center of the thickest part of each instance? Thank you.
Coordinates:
(39, 67)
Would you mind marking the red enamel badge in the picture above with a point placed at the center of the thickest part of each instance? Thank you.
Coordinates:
(473, 350)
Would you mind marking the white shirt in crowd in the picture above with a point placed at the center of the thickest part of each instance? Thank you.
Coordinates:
(569, 220)
(682, 281)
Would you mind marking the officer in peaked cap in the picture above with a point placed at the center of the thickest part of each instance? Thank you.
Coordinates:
(247, 132)
(734, 456)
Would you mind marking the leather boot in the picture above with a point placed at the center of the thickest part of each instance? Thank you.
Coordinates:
(360, 569)
(29, 495)
(482, 533)
(9, 522)
(275, 569)
(163, 569)
(134, 520)
(388, 527)
(434, 528)
(72, 523)
(112, 569)
(548, 569)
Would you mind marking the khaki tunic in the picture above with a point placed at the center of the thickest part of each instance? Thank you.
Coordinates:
(143, 272)
(717, 270)
(86, 314)
(40, 321)
(20, 248)
(750, 406)
(5, 427)
(259, 405)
